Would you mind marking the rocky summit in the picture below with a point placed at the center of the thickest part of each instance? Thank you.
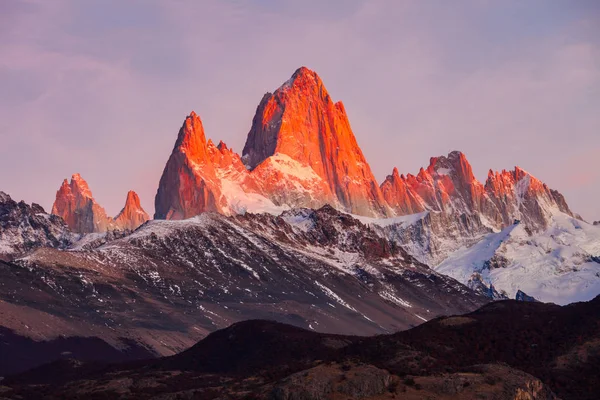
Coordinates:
(132, 215)
(77, 207)
(25, 227)
(301, 152)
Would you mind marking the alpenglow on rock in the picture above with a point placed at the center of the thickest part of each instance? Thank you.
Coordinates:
(448, 185)
(300, 152)
(75, 204)
(132, 215)
(300, 121)
(77, 207)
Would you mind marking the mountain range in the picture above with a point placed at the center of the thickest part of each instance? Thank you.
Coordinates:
(301, 152)
(295, 229)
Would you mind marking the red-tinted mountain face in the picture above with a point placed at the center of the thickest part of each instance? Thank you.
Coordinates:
(301, 152)
(76, 206)
(519, 195)
(448, 185)
(189, 185)
(301, 122)
(132, 215)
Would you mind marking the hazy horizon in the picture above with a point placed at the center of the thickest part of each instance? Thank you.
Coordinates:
(102, 88)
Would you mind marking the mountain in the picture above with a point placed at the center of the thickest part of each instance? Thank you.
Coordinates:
(546, 352)
(76, 206)
(170, 283)
(25, 227)
(448, 185)
(289, 162)
(560, 264)
(518, 195)
(189, 184)
(300, 152)
(511, 233)
(301, 127)
(132, 215)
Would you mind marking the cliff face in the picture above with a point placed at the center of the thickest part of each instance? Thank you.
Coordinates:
(75, 204)
(448, 185)
(301, 152)
(300, 127)
(188, 185)
(77, 207)
(132, 215)
(24, 227)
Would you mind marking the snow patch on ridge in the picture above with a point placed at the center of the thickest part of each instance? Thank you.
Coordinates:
(559, 265)
(291, 167)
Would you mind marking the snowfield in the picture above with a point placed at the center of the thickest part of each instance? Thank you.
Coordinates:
(559, 265)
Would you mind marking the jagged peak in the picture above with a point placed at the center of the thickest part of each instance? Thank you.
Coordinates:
(520, 173)
(340, 107)
(191, 139)
(305, 73)
(394, 176)
(132, 215)
(302, 79)
(423, 174)
(222, 146)
(132, 199)
(456, 154)
(4, 197)
(79, 185)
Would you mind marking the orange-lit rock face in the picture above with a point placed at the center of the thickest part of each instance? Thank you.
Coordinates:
(189, 185)
(448, 185)
(400, 196)
(75, 204)
(519, 195)
(301, 152)
(301, 121)
(132, 215)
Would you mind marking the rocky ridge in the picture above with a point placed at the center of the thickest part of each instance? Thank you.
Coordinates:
(25, 227)
(77, 207)
(170, 283)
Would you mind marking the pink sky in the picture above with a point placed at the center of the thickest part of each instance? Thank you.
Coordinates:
(101, 87)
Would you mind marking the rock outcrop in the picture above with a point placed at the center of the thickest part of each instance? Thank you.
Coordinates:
(189, 185)
(448, 185)
(299, 131)
(517, 195)
(132, 215)
(24, 227)
(77, 207)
